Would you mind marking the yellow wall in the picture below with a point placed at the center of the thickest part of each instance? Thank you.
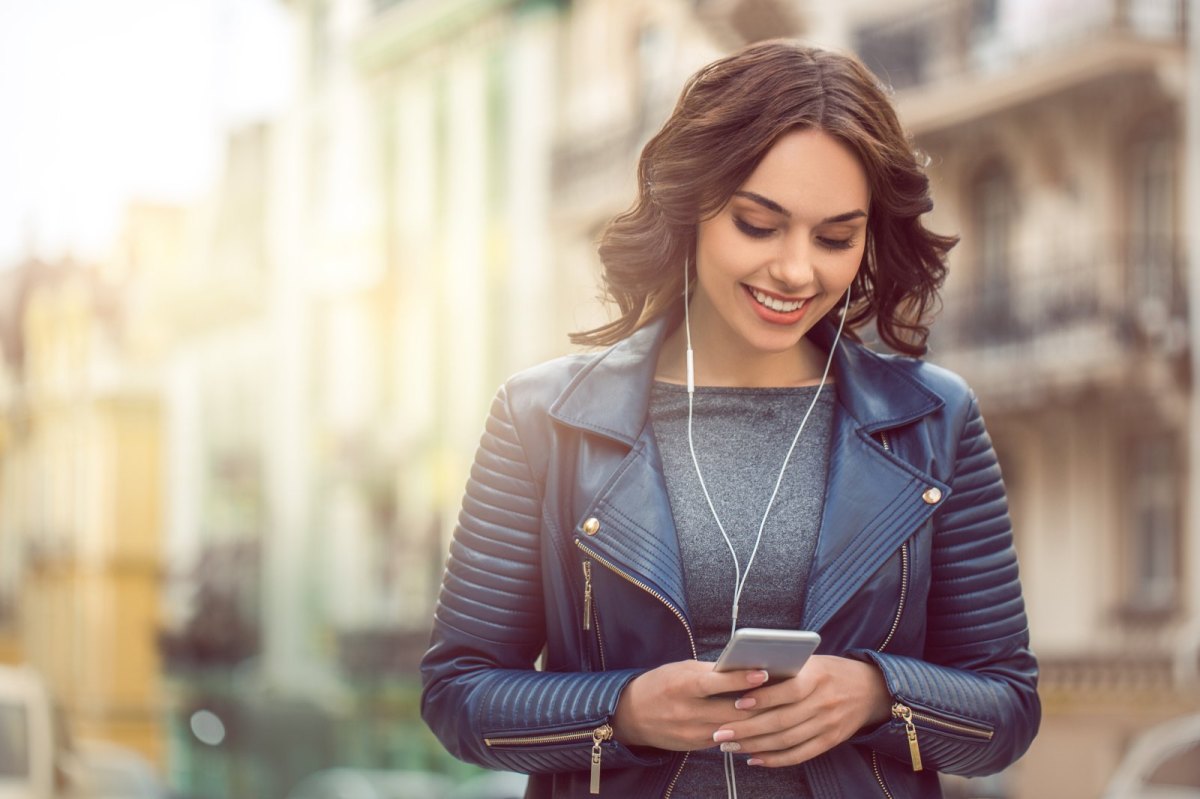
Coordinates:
(89, 610)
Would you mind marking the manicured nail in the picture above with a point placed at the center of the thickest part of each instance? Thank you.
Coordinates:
(722, 735)
(731, 746)
(758, 677)
(754, 761)
(745, 703)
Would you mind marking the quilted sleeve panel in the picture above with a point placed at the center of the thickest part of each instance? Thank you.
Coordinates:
(482, 696)
(973, 696)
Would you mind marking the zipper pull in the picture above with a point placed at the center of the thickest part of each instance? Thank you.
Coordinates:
(587, 595)
(904, 712)
(600, 734)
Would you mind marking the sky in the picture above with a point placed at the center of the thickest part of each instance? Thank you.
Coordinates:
(107, 101)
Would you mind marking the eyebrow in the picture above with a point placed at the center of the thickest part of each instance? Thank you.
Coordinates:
(771, 205)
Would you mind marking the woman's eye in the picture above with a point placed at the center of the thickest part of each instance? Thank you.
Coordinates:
(752, 230)
(836, 244)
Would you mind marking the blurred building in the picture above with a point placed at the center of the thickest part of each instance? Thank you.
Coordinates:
(80, 484)
(1056, 138)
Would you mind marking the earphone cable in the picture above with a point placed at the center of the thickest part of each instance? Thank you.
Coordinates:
(740, 576)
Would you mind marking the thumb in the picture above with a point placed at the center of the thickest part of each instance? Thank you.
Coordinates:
(725, 682)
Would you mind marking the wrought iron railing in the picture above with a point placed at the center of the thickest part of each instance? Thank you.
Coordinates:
(946, 38)
(1139, 299)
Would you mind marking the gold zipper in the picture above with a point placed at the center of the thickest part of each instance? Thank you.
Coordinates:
(599, 638)
(630, 578)
(598, 736)
(591, 617)
(974, 732)
(914, 750)
(883, 439)
(587, 595)
(879, 775)
(903, 597)
(675, 779)
(555, 738)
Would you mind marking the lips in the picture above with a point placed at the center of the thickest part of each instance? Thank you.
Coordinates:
(775, 308)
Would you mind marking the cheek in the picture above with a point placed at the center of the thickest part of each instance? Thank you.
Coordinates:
(721, 255)
(842, 273)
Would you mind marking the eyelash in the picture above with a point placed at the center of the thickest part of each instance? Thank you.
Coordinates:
(756, 232)
(752, 231)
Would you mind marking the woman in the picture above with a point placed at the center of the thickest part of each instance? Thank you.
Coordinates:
(750, 466)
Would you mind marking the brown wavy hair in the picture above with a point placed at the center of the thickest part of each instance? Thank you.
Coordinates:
(729, 115)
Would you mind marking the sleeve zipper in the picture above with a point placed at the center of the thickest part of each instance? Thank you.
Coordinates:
(910, 716)
(598, 736)
(905, 713)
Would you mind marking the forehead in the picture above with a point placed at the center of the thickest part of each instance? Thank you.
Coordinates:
(810, 173)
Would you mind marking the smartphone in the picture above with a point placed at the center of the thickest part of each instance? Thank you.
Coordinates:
(781, 653)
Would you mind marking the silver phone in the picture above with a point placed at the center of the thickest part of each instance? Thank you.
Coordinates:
(782, 653)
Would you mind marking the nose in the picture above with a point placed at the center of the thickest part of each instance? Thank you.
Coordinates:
(792, 267)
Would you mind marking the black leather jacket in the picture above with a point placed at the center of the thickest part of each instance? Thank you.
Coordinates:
(566, 551)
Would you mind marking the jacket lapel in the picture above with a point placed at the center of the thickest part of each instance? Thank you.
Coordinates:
(636, 532)
(873, 501)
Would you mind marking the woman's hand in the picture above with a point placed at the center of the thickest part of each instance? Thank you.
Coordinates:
(676, 706)
(830, 700)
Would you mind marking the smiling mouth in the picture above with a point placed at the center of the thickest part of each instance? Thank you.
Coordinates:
(775, 303)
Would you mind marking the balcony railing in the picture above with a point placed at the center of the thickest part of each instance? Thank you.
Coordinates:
(948, 38)
(1112, 677)
(1142, 304)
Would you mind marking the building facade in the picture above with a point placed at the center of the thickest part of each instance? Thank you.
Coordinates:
(80, 486)
(1056, 139)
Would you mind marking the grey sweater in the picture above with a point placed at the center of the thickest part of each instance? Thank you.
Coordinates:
(741, 437)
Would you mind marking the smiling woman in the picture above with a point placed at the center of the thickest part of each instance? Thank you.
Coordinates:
(629, 509)
(773, 262)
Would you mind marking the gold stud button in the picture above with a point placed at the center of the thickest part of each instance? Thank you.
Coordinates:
(932, 495)
(591, 526)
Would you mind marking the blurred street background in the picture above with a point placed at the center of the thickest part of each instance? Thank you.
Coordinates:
(264, 262)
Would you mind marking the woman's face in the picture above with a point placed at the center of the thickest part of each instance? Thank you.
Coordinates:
(784, 249)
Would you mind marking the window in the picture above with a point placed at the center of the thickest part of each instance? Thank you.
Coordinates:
(1151, 262)
(993, 214)
(1153, 547)
(897, 52)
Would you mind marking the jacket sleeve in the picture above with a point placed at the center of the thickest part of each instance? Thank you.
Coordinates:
(973, 696)
(481, 695)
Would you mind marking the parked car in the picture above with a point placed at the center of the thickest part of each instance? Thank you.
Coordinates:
(31, 738)
(1162, 763)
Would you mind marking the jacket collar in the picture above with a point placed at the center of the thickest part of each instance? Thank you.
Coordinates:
(611, 395)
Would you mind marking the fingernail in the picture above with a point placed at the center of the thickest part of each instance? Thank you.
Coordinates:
(758, 677)
(722, 735)
(754, 761)
(731, 746)
(745, 703)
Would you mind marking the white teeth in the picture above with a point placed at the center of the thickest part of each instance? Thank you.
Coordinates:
(775, 304)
